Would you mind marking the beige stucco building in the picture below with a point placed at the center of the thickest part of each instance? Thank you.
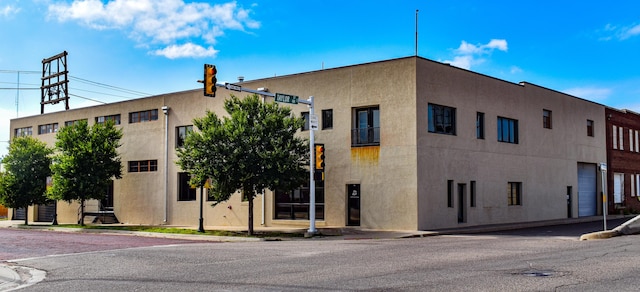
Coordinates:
(411, 144)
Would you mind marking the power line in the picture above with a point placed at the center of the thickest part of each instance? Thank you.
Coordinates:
(90, 99)
(110, 86)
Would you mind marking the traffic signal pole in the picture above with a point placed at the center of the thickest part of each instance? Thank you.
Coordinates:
(312, 183)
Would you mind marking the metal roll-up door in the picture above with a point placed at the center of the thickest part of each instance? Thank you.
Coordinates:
(587, 190)
(46, 213)
(19, 214)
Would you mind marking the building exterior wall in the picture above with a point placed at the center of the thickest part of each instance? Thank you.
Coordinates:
(544, 160)
(623, 159)
(403, 179)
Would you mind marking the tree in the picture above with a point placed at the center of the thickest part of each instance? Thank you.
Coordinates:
(27, 167)
(254, 148)
(86, 162)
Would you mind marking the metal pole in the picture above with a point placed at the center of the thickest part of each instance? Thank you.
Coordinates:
(201, 226)
(604, 200)
(312, 183)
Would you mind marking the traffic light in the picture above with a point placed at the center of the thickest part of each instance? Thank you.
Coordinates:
(319, 156)
(210, 80)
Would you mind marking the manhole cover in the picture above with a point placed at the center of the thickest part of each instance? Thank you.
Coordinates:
(537, 274)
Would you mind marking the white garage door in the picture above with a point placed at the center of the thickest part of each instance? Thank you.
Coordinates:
(587, 193)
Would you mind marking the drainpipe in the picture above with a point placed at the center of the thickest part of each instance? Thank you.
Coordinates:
(165, 110)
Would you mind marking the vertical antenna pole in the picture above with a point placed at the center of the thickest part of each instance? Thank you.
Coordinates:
(416, 32)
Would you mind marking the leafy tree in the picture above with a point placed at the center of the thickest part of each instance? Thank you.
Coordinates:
(254, 148)
(27, 167)
(86, 162)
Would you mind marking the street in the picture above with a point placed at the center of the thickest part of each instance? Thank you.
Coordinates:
(538, 259)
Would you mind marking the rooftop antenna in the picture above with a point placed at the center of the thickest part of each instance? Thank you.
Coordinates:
(416, 32)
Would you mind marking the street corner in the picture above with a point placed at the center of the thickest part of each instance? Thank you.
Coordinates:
(17, 277)
(600, 235)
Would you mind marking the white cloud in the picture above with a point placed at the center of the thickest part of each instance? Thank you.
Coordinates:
(8, 10)
(515, 70)
(468, 55)
(590, 93)
(610, 32)
(186, 50)
(164, 23)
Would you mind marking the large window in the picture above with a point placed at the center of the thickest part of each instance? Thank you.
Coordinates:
(514, 193)
(507, 130)
(185, 191)
(546, 119)
(114, 118)
(327, 119)
(73, 122)
(143, 116)
(366, 127)
(294, 205)
(305, 116)
(143, 166)
(480, 125)
(181, 134)
(26, 131)
(48, 128)
(442, 119)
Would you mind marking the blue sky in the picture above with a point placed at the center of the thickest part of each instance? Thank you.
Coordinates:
(589, 48)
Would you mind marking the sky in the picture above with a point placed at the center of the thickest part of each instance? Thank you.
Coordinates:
(125, 49)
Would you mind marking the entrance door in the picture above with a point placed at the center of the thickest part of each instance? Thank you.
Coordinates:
(106, 204)
(353, 205)
(462, 203)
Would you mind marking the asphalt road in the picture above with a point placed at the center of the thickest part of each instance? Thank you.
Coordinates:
(539, 259)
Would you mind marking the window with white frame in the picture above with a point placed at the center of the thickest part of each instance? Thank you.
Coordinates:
(636, 179)
(620, 138)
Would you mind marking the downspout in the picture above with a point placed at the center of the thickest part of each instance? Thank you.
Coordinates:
(165, 110)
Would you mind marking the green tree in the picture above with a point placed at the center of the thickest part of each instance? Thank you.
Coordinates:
(86, 162)
(27, 167)
(254, 148)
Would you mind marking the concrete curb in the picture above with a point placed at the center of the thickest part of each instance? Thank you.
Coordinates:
(9, 279)
(600, 235)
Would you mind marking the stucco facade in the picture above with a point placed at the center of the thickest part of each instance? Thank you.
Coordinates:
(410, 174)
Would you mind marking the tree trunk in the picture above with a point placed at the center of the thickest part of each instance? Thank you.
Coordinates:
(250, 199)
(81, 212)
(26, 215)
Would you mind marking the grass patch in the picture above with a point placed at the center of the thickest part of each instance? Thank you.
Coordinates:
(173, 230)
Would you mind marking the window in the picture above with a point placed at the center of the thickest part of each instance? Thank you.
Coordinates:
(546, 119)
(114, 118)
(614, 137)
(366, 126)
(472, 195)
(143, 116)
(507, 130)
(327, 119)
(305, 116)
(185, 191)
(181, 134)
(620, 138)
(442, 119)
(74, 122)
(48, 128)
(480, 125)
(26, 131)
(514, 193)
(143, 166)
(450, 193)
(590, 128)
(294, 205)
